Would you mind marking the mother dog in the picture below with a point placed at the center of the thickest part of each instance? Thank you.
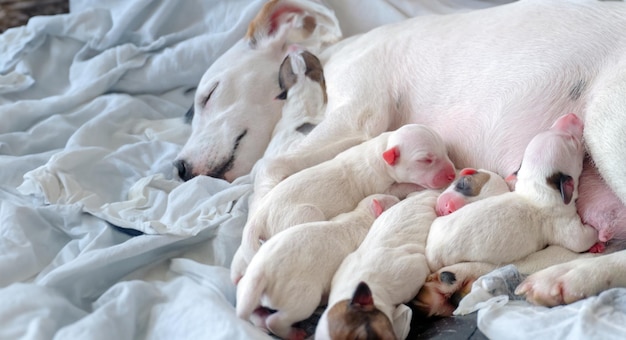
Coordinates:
(487, 81)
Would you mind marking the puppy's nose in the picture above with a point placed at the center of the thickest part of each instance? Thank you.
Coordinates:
(184, 170)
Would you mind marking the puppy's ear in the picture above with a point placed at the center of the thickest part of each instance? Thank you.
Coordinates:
(377, 208)
(467, 171)
(391, 155)
(511, 180)
(362, 298)
(566, 187)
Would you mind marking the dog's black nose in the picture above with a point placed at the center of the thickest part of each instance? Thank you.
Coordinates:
(184, 170)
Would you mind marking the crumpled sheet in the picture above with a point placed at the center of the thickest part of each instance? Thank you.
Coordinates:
(504, 315)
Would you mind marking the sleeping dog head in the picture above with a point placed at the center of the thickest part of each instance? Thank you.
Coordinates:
(234, 110)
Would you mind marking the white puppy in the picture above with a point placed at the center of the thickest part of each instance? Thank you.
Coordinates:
(301, 80)
(291, 273)
(470, 186)
(541, 210)
(412, 154)
(386, 270)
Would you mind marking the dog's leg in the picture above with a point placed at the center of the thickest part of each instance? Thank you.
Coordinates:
(575, 280)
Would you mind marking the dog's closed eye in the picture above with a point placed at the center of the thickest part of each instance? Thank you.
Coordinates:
(205, 100)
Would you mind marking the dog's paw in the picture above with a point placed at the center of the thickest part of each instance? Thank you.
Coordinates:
(565, 283)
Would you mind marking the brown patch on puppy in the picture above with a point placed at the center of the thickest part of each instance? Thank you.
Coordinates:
(441, 295)
(470, 185)
(315, 71)
(359, 318)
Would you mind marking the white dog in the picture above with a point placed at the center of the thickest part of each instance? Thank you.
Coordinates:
(487, 86)
(301, 80)
(541, 210)
(412, 154)
(235, 111)
(291, 273)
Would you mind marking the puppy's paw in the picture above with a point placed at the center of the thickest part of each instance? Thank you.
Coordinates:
(441, 293)
(597, 248)
(565, 283)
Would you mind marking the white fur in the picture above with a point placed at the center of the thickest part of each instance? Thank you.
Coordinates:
(390, 259)
(455, 197)
(305, 104)
(508, 227)
(242, 85)
(292, 271)
(336, 186)
(487, 81)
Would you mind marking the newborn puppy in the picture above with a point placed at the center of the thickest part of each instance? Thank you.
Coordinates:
(412, 154)
(290, 275)
(301, 80)
(386, 270)
(470, 186)
(541, 210)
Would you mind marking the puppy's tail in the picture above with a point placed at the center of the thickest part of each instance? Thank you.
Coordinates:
(249, 292)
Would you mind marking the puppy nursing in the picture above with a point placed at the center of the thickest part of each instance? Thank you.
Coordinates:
(412, 154)
(541, 210)
(389, 267)
(291, 285)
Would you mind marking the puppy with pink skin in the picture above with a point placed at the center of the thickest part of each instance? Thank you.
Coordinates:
(470, 186)
(413, 154)
(282, 287)
(541, 210)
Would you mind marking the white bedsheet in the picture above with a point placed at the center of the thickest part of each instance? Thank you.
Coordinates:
(91, 107)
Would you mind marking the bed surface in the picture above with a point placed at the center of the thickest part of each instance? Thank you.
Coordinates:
(98, 239)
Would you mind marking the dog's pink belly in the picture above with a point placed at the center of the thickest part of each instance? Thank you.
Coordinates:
(599, 207)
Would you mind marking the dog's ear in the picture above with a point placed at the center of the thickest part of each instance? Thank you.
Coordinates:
(280, 19)
(566, 187)
(391, 155)
(362, 298)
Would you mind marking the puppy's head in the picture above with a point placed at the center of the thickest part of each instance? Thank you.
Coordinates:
(554, 159)
(417, 154)
(356, 319)
(470, 186)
